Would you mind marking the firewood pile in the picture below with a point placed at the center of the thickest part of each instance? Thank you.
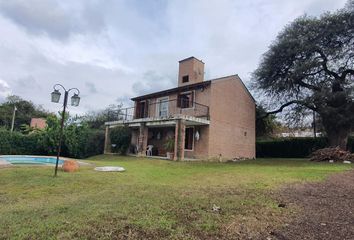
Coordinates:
(332, 155)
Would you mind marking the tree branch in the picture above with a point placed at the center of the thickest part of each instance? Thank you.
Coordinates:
(346, 72)
(324, 64)
(280, 109)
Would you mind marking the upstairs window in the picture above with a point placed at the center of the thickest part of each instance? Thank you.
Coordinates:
(185, 100)
(185, 79)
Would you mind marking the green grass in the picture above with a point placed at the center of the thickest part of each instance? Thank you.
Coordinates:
(152, 199)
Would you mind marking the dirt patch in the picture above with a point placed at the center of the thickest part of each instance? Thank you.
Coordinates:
(324, 210)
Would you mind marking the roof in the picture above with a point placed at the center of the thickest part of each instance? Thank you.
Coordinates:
(174, 90)
(190, 58)
(190, 87)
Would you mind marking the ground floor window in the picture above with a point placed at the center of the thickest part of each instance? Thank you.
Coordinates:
(188, 142)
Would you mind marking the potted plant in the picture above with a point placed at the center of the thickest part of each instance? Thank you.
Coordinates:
(169, 146)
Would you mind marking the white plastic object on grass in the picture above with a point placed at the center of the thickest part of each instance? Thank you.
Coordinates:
(109, 169)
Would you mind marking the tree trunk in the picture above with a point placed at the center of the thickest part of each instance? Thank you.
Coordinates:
(338, 137)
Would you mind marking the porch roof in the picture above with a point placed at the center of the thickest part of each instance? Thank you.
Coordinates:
(158, 121)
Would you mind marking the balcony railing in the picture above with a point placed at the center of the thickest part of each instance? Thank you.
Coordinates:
(163, 109)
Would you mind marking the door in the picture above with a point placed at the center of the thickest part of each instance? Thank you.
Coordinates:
(162, 107)
(142, 109)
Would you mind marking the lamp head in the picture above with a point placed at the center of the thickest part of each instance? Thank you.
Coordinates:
(55, 96)
(75, 100)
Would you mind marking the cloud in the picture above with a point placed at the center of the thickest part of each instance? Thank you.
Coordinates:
(4, 90)
(152, 81)
(53, 18)
(91, 87)
(117, 49)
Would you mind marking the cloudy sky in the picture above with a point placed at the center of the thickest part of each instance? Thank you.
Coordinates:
(115, 49)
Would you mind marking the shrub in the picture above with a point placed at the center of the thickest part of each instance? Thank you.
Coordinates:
(120, 139)
(293, 147)
(289, 147)
(16, 143)
(77, 143)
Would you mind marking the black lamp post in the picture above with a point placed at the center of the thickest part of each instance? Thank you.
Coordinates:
(75, 100)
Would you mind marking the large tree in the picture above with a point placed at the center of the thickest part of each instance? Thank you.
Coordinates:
(311, 65)
(25, 111)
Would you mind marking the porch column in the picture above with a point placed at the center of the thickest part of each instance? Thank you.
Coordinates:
(180, 132)
(142, 139)
(107, 142)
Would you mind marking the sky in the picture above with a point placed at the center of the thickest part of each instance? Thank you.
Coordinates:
(113, 50)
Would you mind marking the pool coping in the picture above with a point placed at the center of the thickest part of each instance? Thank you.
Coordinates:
(4, 163)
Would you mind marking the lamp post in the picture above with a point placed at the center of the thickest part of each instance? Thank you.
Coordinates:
(75, 100)
(13, 118)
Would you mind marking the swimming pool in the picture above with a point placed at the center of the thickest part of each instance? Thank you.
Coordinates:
(30, 160)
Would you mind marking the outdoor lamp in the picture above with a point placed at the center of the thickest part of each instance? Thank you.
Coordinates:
(75, 100)
(55, 96)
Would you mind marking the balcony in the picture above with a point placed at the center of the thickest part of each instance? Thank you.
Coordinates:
(163, 110)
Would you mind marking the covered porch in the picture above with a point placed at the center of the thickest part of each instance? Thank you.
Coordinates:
(150, 137)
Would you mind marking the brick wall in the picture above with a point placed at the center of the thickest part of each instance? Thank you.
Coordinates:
(232, 120)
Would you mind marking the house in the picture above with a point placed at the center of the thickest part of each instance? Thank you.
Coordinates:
(39, 123)
(213, 119)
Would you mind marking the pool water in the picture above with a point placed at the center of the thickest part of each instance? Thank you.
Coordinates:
(30, 160)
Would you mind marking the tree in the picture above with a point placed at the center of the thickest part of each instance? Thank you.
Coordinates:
(25, 111)
(311, 65)
(265, 126)
(96, 119)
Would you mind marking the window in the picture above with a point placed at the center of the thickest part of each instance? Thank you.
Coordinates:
(185, 100)
(162, 107)
(188, 142)
(185, 79)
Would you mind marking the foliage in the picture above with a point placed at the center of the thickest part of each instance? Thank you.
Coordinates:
(51, 136)
(18, 144)
(265, 127)
(310, 65)
(120, 139)
(291, 147)
(25, 111)
(79, 141)
(82, 142)
(170, 144)
(96, 119)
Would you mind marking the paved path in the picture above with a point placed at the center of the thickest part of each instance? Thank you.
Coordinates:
(4, 163)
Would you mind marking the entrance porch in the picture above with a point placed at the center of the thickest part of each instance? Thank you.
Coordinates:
(149, 137)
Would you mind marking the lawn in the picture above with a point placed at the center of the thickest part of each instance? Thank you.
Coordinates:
(153, 199)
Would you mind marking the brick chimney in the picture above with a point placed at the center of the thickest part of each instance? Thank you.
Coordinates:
(191, 70)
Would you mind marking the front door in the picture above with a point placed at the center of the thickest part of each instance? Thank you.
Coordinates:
(162, 107)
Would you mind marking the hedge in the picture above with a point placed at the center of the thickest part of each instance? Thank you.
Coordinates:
(293, 147)
(86, 144)
(18, 144)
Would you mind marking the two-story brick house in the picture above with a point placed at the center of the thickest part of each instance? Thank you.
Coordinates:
(212, 119)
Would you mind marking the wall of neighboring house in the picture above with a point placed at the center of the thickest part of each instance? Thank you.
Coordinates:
(232, 120)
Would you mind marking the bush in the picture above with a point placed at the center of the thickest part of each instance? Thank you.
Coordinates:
(293, 147)
(78, 142)
(17, 144)
(289, 147)
(120, 139)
